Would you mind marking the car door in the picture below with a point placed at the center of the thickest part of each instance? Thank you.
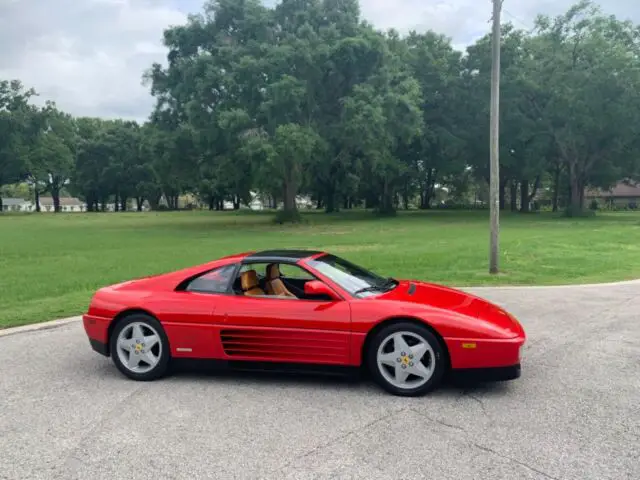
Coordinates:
(292, 330)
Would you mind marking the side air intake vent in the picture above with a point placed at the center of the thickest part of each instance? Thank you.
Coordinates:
(284, 345)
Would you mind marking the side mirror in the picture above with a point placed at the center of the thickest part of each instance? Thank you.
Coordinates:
(315, 287)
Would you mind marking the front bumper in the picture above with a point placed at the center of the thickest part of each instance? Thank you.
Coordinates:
(97, 329)
(100, 347)
(487, 374)
(471, 353)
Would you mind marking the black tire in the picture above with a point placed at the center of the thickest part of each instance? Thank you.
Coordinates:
(161, 368)
(426, 334)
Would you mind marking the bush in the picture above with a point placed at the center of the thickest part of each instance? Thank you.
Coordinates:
(593, 205)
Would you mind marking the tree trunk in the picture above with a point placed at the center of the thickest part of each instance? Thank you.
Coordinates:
(386, 200)
(236, 202)
(533, 193)
(139, 203)
(513, 196)
(503, 187)
(221, 205)
(319, 205)
(123, 204)
(290, 197)
(154, 202)
(556, 188)
(212, 202)
(427, 194)
(524, 197)
(1, 207)
(37, 194)
(405, 198)
(330, 204)
(116, 203)
(55, 195)
(577, 190)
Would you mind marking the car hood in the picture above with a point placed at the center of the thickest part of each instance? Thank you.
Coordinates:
(457, 301)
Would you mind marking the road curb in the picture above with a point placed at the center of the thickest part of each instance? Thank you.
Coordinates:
(39, 326)
(552, 287)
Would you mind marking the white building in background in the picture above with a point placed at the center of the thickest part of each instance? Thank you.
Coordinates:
(67, 204)
(17, 205)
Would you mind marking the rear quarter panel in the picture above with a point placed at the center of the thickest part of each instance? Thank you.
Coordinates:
(188, 318)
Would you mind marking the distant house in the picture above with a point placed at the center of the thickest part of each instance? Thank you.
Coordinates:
(67, 204)
(625, 193)
(17, 205)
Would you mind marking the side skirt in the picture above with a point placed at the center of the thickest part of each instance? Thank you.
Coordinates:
(265, 367)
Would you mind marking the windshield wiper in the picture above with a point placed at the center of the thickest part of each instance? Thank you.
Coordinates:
(387, 285)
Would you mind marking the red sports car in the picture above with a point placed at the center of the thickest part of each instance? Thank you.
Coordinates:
(291, 308)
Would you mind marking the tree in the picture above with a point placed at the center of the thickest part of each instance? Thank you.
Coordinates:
(584, 67)
(51, 160)
(439, 152)
(382, 119)
(17, 129)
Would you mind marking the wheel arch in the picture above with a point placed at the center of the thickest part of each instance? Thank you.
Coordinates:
(389, 321)
(120, 317)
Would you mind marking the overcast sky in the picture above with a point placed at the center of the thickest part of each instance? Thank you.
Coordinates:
(89, 55)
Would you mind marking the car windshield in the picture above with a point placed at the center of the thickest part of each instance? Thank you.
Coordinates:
(354, 279)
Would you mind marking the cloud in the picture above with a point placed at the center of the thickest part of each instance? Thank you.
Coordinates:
(89, 55)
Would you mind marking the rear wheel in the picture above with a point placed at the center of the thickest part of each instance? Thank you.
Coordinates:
(406, 359)
(139, 348)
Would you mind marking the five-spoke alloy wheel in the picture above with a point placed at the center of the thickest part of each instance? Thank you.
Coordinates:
(139, 347)
(406, 359)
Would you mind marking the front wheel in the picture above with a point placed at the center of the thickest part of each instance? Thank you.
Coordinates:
(406, 359)
(139, 348)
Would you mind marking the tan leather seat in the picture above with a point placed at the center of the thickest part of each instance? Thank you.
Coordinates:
(275, 286)
(250, 285)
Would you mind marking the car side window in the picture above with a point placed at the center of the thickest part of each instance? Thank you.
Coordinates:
(213, 281)
(294, 272)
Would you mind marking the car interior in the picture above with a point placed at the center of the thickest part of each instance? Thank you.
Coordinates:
(272, 283)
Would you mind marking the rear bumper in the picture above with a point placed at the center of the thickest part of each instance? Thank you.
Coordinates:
(490, 374)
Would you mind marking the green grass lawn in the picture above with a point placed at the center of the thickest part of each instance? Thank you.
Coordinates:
(51, 264)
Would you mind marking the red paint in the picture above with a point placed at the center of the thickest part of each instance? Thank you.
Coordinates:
(331, 332)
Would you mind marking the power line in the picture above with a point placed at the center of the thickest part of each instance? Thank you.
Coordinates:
(524, 24)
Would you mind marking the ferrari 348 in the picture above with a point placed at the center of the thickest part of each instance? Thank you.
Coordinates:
(298, 308)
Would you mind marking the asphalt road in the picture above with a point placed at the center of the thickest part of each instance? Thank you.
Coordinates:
(66, 413)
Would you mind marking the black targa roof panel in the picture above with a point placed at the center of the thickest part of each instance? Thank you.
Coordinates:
(280, 255)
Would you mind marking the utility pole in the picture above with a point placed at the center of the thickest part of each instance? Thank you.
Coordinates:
(494, 190)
